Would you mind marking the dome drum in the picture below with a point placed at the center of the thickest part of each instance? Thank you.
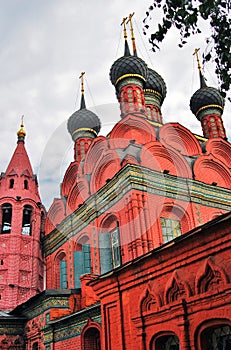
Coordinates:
(83, 133)
(130, 79)
(207, 110)
(152, 97)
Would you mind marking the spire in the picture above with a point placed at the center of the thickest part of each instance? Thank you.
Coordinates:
(132, 33)
(82, 103)
(21, 132)
(202, 79)
(19, 171)
(126, 47)
(20, 160)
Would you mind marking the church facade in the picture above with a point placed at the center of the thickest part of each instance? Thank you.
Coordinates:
(136, 249)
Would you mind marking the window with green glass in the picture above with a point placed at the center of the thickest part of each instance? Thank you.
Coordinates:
(110, 256)
(63, 274)
(170, 229)
(82, 263)
(115, 245)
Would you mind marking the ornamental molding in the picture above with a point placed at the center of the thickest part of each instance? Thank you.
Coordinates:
(134, 177)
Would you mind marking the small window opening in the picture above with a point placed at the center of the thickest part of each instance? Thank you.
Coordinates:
(6, 218)
(2, 262)
(11, 183)
(26, 220)
(25, 184)
(35, 346)
(42, 224)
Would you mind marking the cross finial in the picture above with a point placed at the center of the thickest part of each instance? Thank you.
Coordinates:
(197, 57)
(132, 31)
(22, 120)
(123, 23)
(130, 22)
(82, 81)
(21, 133)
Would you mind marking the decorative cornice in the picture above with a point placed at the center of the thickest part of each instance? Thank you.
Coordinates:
(67, 331)
(129, 75)
(44, 303)
(206, 107)
(134, 177)
(152, 92)
(84, 129)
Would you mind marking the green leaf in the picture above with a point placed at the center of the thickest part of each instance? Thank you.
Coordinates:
(184, 15)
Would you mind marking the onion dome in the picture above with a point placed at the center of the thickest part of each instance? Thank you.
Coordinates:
(83, 123)
(127, 65)
(156, 85)
(21, 132)
(206, 98)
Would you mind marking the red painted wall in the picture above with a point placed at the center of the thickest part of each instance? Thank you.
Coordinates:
(181, 288)
(21, 260)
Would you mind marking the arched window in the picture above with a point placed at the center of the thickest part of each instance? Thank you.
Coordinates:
(92, 339)
(11, 183)
(109, 245)
(26, 220)
(115, 245)
(61, 271)
(166, 342)
(170, 229)
(174, 221)
(216, 338)
(42, 224)
(82, 260)
(63, 274)
(35, 346)
(6, 218)
(26, 184)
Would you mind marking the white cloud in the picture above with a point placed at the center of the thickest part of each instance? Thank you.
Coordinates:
(46, 44)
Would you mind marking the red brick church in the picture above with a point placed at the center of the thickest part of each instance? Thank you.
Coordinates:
(135, 253)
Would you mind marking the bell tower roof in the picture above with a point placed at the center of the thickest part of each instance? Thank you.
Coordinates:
(19, 180)
(20, 161)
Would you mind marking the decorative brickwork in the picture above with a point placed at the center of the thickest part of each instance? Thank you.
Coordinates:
(22, 219)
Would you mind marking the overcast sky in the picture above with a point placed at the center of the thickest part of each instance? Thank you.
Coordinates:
(45, 44)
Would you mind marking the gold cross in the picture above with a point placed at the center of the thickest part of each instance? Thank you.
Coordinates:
(197, 57)
(82, 81)
(22, 123)
(132, 31)
(130, 21)
(124, 24)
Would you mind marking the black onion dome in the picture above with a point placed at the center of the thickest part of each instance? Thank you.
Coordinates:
(83, 120)
(128, 65)
(156, 82)
(206, 97)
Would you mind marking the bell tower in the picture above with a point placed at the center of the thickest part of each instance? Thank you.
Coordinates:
(22, 217)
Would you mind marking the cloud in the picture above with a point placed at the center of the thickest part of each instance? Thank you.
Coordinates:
(44, 47)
